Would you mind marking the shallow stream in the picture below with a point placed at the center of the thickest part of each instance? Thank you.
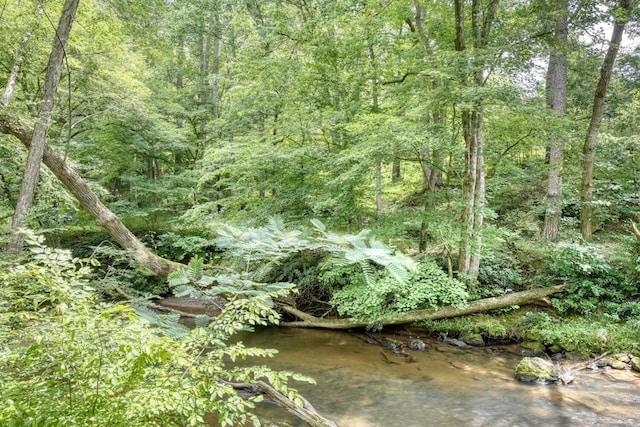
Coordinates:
(359, 386)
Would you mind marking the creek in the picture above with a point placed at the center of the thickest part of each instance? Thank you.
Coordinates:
(363, 385)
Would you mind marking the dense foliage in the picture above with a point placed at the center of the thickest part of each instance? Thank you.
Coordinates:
(199, 122)
(67, 360)
(359, 275)
(384, 297)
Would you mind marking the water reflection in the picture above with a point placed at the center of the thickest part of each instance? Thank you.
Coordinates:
(358, 387)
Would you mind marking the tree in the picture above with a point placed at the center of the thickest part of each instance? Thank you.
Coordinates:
(556, 95)
(17, 64)
(39, 137)
(482, 18)
(622, 16)
(104, 217)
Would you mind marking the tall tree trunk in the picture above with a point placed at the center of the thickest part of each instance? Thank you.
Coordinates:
(482, 17)
(215, 89)
(468, 196)
(478, 202)
(203, 96)
(379, 203)
(556, 91)
(45, 110)
(396, 173)
(588, 150)
(375, 109)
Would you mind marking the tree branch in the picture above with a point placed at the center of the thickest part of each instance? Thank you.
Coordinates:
(306, 412)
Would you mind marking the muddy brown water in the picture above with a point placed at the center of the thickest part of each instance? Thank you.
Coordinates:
(359, 386)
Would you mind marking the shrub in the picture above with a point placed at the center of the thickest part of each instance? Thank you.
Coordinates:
(499, 274)
(384, 297)
(591, 279)
(67, 361)
(583, 336)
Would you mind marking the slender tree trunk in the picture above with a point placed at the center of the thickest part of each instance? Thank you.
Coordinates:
(379, 204)
(464, 258)
(589, 147)
(45, 110)
(556, 91)
(636, 231)
(478, 202)
(396, 173)
(473, 188)
(375, 109)
(205, 46)
(215, 89)
(468, 195)
(17, 64)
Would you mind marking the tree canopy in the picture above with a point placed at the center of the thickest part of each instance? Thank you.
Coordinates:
(411, 160)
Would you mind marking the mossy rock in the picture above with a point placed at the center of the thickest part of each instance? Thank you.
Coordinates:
(612, 362)
(535, 369)
(635, 363)
(533, 347)
(416, 344)
(623, 357)
(473, 339)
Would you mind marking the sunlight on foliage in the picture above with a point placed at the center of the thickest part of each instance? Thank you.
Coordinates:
(383, 298)
(67, 361)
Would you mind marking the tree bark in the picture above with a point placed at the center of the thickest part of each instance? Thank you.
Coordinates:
(375, 109)
(39, 137)
(588, 150)
(306, 412)
(473, 187)
(478, 204)
(556, 91)
(215, 87)
(532, 296)
(379, 201)
(140, 254)
(205, 46)
(396, 172)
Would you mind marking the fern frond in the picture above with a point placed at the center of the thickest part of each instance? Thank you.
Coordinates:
(263, 270)
(167, 323)
(186, 291)
(202, 320)
(276, 224)
(179, 277)
(196, 267)
(398, 272)
(319, 225)
(369, 272)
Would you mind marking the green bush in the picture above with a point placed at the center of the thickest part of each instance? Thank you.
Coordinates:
(374, 300)
(583, 336)
(499, 274)
(592, 280)
(66, 361)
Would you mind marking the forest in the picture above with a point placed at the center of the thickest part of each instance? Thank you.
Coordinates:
(460, 166)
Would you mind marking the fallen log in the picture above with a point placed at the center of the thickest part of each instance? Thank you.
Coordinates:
(306, 412)
(537, 296)
(140, 254)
